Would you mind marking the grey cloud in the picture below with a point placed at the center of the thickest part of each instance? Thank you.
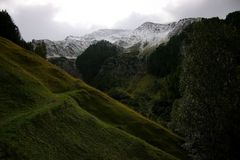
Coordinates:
(38, 22)
(209, 8)
(136, 19)
(4, 1)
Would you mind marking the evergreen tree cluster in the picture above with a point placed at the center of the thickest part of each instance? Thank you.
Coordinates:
(40, 49)
(166, 58)
(9, 30)
(91, 60)
(208, 113)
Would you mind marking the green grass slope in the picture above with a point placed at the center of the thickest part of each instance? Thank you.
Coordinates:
(47, 114)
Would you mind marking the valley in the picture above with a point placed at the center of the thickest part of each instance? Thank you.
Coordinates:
(156, 92)
(48, 111)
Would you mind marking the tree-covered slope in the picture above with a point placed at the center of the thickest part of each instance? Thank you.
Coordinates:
(9, 30)
(47, 114)
(208, 111)
(192, 82)
(91, 60)
(148, 85)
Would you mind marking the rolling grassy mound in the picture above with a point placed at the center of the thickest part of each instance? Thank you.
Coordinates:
(47, 114)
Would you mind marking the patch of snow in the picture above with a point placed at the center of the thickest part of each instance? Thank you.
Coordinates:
(148, 35)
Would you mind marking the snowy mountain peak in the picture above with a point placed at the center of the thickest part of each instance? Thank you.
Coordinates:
(154, 27)
(110, 31)
(145, 37)
(71, 37)
(107, 34)
(181, 24)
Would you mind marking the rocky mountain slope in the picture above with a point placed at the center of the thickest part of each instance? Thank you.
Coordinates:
(144, 38)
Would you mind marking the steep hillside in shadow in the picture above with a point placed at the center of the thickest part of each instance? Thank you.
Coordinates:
(47, 114)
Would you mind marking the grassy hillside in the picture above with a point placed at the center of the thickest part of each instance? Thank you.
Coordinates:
(47, 114)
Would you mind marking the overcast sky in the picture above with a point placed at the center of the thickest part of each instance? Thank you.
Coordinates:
(56, 19)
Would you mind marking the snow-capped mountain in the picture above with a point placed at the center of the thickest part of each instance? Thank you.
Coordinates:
(147, 36)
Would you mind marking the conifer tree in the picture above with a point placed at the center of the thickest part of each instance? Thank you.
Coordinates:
(8, 29)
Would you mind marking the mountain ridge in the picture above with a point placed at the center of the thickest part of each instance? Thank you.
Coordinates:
(146, 36)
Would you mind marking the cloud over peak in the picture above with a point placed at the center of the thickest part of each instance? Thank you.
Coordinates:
(57, 19)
